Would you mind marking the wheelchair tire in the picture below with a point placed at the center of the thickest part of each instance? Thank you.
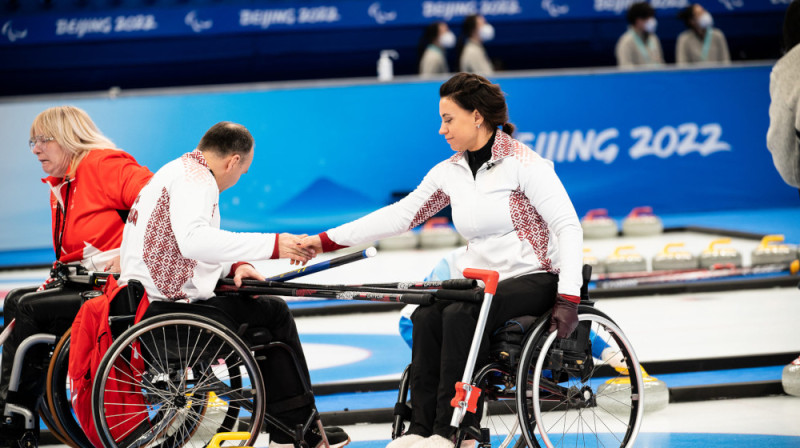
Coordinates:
(58, 396)
(560, 394)
(180, 360)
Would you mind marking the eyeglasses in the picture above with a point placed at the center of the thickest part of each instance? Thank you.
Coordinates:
(39, 139)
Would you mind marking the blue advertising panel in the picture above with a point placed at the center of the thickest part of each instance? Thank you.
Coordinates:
(138, 23)
(680, 141)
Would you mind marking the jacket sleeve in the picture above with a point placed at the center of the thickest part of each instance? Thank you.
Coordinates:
(546, 193)
(625, 53)
(193, 204)
(783, 139)
(681, 52)
(123, 178)
(422, 203)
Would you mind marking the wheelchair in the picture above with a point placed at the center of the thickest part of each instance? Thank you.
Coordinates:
(547, 391)
(181, 375)
(54, 407)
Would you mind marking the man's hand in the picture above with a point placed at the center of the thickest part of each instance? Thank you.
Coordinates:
(246, 271)
(112, 265)
(313, 243)
(289, 247)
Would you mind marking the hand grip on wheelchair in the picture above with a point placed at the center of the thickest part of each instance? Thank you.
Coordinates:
(455, 295)
(417, 299)
(459, 283)
(490, 278)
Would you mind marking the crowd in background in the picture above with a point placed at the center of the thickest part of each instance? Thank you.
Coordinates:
(701, 42)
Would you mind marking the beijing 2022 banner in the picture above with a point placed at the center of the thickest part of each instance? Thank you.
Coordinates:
(682, 141)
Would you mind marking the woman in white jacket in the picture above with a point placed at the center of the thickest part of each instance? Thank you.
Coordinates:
(509, 204)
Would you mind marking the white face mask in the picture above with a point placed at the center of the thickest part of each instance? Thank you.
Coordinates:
(486, 32)
(447, 40)
(650, 25)
(705, 20)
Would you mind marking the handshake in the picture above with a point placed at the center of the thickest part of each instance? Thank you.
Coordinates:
(299, 249)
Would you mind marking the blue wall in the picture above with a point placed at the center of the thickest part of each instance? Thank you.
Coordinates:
(680, 141)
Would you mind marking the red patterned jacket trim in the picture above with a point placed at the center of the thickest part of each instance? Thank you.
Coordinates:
(437, 201)
(503, 147)
(162, 256)
(530, 227)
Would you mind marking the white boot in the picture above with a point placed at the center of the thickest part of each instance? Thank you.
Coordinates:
(435, 441)
(405, 441)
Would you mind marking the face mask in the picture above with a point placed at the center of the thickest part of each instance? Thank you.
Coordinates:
(650, 25)
(447, 40)
(486, 32)
(705, 20)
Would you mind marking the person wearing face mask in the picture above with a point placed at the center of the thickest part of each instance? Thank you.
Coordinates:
(519, 221)
(639, 46)
(431, 50)
(472, 57)
(701, 42)
(783, 136)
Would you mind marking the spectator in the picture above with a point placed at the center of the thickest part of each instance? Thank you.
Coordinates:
(639, 46)
(783, 136)
(472, 56)
(431, 50)
(701, 42)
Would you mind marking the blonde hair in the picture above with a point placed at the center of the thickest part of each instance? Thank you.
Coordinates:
(71, 128)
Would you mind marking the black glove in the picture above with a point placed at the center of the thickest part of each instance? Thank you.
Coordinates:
(565, 315)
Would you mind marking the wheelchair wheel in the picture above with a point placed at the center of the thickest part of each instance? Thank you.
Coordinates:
(58, 396)
(177, 379)
(568, 397)
(498, 413)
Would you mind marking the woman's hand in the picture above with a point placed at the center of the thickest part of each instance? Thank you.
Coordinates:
(289, 246)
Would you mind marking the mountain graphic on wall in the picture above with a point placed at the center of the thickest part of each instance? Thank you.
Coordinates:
(324, 203)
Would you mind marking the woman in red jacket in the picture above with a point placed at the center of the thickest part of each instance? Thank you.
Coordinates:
(92, 187)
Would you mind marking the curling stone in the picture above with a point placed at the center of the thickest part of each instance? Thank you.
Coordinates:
(674, 260)
(625, 260)
(598, 266)
(642, 222)
(790, 379)
(768, 253)
(597, 224)
(438, 232)
(404, 241)
(714, 255)
(615, 394)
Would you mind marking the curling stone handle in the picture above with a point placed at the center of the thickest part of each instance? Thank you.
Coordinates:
(770, 239)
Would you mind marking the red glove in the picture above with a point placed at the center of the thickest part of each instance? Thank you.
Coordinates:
(565, 315)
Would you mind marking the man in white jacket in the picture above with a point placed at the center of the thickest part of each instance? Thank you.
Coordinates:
(173, 245)
(783, 136)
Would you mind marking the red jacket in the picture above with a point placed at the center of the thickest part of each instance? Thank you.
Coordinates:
(97, 199)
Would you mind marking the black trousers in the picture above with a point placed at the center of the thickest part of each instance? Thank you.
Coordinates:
(50, 311)
(442, 335)
(285, 389)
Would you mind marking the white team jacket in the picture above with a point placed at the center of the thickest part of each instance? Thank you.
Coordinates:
(172, 242)
(515, 214)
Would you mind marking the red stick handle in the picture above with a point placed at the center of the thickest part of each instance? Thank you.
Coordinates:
(489, 278)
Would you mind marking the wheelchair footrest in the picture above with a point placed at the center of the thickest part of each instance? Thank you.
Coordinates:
(466, 394)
